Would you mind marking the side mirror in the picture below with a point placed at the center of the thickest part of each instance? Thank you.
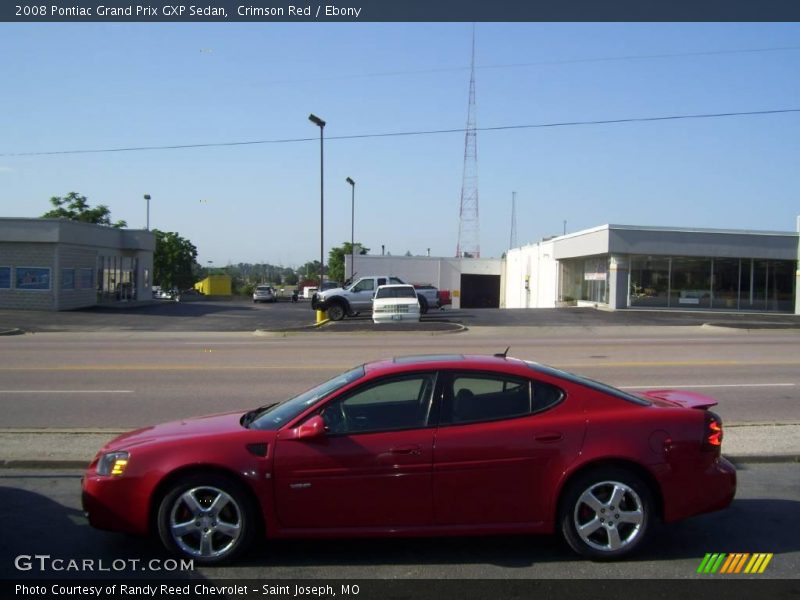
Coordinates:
(312, 428)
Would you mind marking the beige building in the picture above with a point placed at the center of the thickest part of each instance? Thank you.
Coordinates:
(57, 264)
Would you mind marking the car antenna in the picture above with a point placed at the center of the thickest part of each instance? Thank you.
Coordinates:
(503, 354)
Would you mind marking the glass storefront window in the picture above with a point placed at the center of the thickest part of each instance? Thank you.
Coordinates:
(725, 282)
(649, 278)
(781, 286)
(690, 286)
(571, 279)
(721, 283)
(595, 280)
(584, 279)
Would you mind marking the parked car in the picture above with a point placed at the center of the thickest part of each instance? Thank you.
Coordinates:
(393, 303)
(429, 297)
(264, 293)
(343, 301)
(426, 445)
(162, 294)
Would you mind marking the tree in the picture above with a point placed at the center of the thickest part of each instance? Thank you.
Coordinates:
(173, 261)
(309, 271)
(76, 208)
(289, 277)
(336, 260)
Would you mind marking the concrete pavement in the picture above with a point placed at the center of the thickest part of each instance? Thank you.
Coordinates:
(75, 448)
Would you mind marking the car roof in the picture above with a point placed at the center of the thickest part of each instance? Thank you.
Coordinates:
(444, 361)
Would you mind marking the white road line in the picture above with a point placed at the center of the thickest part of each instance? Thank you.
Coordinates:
(66, 391)
(709, 385)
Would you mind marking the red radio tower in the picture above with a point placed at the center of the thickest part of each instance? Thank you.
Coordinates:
(468, 225)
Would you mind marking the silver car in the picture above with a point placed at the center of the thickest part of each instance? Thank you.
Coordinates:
(264, 293)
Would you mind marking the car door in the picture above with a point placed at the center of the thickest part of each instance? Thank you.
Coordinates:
(363, 291)
(371, 469)
(500, 440)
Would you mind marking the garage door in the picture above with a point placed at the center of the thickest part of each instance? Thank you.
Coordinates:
(480, 291)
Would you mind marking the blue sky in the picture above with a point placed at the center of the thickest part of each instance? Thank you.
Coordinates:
(90, 86)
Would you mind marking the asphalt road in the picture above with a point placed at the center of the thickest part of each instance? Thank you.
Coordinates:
(42, 516)
(124, 380)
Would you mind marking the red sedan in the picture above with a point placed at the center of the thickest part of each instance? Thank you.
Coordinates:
(424, 445)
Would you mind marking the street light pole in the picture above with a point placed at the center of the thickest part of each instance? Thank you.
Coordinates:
(321, 124)
(352, 226)
(147, 199)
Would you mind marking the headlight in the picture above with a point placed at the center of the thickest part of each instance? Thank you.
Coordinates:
(112, 463)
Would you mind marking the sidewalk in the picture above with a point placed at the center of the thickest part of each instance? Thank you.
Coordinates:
(74, 449)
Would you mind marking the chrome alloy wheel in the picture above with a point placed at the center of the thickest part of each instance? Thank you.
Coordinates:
(608, 516)
(205, 522)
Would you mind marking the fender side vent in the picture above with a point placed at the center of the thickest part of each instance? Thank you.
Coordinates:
(258, 449)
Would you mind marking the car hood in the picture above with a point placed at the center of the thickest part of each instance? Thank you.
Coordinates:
(679, 398)
(331, 292)
(194, 427)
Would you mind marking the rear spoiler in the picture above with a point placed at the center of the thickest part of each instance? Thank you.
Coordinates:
(681, 398)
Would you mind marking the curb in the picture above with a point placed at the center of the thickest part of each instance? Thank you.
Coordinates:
(13, 331)
(44, 464)
(755, 459)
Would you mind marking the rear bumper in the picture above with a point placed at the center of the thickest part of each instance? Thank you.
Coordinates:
(394, 317)
(713, 489)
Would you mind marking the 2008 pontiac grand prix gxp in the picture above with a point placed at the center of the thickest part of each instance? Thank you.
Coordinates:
(424, 445)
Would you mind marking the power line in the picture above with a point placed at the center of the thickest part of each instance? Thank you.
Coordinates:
(413, 133)
(541, 63)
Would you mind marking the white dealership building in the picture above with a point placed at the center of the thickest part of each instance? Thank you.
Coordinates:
(620, 267)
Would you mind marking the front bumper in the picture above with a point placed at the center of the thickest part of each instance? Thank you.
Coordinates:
(114, 503)
(318, 303)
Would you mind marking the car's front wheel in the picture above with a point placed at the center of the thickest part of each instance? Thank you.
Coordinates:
(606, 513)
(336, 311)
(208, 518)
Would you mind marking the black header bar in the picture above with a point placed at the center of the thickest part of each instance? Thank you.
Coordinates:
(269, 11)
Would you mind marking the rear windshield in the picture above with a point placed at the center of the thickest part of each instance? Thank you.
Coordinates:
(263, 289)
(397, 292)
(590, 383)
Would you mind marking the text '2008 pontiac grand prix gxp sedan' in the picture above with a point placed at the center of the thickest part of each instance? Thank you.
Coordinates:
(424, 445)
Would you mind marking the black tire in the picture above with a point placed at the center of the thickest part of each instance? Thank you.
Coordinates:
(598, 529)
(423, 305)
(336, 311)
(189, 524)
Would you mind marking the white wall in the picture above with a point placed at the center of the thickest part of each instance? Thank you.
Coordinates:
(536, 264)
(444, 273)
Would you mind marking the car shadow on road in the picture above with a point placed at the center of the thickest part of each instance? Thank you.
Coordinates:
(750, 525)
(38, 525)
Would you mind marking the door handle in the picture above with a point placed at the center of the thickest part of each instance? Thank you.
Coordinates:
(413, 450)
(548, 436)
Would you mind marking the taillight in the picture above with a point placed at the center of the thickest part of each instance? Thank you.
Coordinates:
(712, 436)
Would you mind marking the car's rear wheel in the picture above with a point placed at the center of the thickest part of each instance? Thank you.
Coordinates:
(336, 311)
(423, 306)
(606, 513)
(208, 518)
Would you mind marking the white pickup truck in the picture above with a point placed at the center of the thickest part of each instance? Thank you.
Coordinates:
(357, 297)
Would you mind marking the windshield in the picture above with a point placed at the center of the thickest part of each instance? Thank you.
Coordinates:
(274, 417)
